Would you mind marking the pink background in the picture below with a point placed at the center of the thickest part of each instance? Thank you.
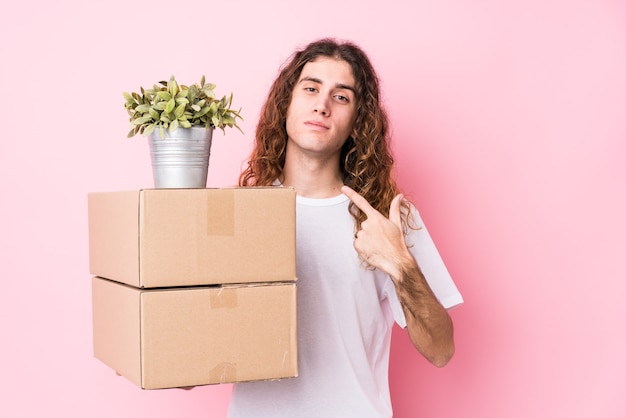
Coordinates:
(510, 134)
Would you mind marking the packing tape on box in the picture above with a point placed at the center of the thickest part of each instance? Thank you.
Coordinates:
(220, 215)
(224, 297)
(223, 373)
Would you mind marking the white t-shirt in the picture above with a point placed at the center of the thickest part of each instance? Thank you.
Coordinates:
(345, 316)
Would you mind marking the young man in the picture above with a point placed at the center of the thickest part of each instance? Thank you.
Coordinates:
(364, 259)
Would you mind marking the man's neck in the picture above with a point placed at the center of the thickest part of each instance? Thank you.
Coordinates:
(313, 178)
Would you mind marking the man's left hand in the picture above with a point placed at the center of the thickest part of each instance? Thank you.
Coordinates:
(380, 241)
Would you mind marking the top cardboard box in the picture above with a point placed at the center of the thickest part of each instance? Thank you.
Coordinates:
(188, 237)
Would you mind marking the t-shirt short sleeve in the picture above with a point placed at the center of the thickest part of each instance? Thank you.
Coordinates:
(432, 266)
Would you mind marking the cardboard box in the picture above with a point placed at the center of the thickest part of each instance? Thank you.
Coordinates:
(176, 337)
(189, 237)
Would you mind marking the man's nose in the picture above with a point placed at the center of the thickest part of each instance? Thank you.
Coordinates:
(321, 106)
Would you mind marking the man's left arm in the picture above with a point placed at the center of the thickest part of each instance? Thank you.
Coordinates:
(428, 323)
(380, 243)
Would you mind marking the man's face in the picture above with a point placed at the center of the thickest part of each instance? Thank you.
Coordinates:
(322, 111)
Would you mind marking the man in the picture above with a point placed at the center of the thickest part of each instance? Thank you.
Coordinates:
(364, 260)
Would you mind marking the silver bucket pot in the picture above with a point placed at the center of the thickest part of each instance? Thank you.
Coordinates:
(180, 159)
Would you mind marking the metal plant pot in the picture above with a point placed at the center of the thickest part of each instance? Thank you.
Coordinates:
(180, 159)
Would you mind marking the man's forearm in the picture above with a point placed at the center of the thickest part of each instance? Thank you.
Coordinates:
(429, 325)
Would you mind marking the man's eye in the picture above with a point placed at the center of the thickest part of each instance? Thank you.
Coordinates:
(310, 89)
(342, 98)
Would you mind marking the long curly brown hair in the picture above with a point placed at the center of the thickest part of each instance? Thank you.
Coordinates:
(366, 159)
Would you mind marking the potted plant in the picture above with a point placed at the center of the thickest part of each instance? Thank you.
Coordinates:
(179, 120)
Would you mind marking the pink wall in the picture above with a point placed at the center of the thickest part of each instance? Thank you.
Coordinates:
(510, 136)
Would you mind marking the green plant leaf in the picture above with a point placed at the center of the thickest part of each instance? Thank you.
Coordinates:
(228, 120)
(208, 93)
(149, 129)
(192, 92)
(180, 110)
(143, 108)
(172, 86)
(181, 100)
(163, 95)
(142, 120)
(129, 98)
(202, 112)
(170, 105)
(155, 115)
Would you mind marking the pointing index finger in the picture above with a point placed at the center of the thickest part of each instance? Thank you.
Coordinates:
(358, 200)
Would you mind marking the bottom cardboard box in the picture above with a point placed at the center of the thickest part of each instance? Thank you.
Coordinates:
(191, 336)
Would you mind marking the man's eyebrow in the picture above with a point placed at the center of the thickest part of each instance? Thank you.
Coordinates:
(345, 87)
(338, 85)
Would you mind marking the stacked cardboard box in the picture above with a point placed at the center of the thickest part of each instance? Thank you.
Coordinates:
(194, 286)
